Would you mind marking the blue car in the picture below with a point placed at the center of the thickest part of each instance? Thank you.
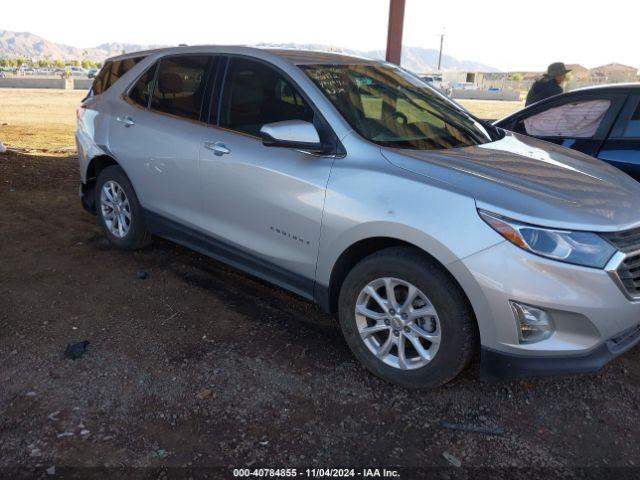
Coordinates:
(602, 121)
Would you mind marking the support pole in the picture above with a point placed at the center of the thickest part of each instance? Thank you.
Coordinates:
(394, 33)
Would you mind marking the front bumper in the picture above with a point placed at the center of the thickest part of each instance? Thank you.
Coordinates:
(498, 366)
(594, 321)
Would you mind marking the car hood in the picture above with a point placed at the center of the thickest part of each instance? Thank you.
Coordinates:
(533, 181)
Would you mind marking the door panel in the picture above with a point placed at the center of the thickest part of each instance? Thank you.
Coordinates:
(623, 153)
(156, 135)
(160, 155)
(267, 201)
(589, 146)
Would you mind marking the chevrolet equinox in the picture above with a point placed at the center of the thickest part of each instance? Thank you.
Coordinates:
(428, 233)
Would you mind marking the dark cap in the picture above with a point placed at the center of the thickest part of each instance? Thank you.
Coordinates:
(557, 69)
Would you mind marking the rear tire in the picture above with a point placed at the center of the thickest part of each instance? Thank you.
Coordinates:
(426, 318)
(119, 212)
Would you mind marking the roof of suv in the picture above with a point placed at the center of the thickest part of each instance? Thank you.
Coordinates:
(298, 57)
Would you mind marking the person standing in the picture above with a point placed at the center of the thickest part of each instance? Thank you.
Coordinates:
(549, 84)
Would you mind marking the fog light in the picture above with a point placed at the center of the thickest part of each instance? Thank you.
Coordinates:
(534, 324)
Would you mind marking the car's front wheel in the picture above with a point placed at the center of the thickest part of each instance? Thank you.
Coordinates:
(406, 319)
(118, 209)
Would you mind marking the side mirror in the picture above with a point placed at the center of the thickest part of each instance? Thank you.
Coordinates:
(296, 134)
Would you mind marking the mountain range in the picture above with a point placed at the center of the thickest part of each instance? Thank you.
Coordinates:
(25, 44)
(416, 59)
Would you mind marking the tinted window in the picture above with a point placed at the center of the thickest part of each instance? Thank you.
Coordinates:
(141, 91)
(256, 94)
(111, 72)
(633, 126)
(391, 107)
(180, 85)
(99, 82)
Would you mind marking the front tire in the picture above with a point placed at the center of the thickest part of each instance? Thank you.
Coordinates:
(118, 209)
(406, 319)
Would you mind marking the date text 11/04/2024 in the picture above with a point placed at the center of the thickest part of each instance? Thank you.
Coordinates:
(316, 472)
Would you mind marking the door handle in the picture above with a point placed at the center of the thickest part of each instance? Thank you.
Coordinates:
(126, 121)
(218, 148)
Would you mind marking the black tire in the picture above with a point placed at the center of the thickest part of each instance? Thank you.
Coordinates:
(457, 322)
(137, 236)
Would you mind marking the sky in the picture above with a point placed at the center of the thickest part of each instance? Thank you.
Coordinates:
(505, 34)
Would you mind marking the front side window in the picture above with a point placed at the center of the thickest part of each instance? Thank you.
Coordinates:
(111, 72)
(392, 108)
(632, 130)
(256, 94)
(571, 120)
(180, 84)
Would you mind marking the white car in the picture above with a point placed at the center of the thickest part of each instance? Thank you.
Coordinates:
(438, 83)
(77, 71)
(465, 86)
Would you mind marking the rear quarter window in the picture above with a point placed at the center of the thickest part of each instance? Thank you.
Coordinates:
(111, 72)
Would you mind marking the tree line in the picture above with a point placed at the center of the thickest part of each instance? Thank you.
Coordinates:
(44, 63)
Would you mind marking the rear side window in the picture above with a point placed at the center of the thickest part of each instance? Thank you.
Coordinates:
(256, 94)
(632, 130)
(179, 88)
(141, 91)
(111, 72)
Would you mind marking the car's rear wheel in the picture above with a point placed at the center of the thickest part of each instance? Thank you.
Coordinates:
(118, 209)
(406, 319)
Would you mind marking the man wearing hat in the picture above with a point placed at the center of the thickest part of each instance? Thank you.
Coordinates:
(549, 84)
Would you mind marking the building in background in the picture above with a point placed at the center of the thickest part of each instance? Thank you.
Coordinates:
(578, 72)
(613, 73)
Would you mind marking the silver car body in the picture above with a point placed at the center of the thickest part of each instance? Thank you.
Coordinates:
(289, 216)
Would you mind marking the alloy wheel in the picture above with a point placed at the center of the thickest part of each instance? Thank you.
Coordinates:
(398, 323)
(115, 208)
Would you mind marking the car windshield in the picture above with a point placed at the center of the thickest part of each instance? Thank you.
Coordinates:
(393, 108)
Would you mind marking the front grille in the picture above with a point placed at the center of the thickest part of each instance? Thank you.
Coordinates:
(629, 274)
(628, 242)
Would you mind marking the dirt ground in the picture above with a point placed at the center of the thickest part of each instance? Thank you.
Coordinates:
(39, 121)
(200, 365)
(491, 109)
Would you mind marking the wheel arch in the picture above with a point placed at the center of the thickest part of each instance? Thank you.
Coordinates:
(94, 167)
(360, 249)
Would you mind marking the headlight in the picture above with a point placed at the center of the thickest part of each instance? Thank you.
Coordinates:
(579, 248)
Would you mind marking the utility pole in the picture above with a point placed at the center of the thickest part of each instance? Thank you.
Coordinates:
(394, 33)
(440, 54)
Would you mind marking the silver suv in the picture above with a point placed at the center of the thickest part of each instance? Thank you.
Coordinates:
(426, 232)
